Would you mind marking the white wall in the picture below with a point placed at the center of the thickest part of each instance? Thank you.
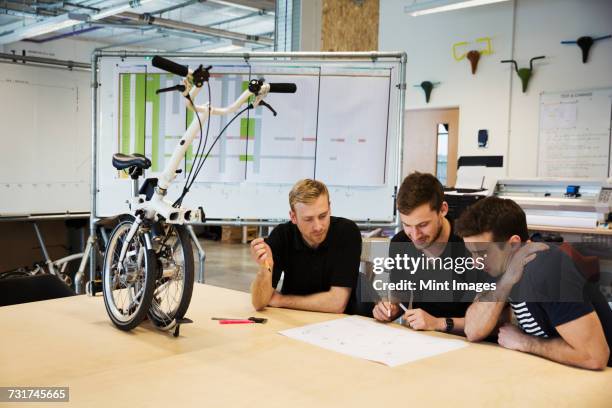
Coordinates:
(46, 137)
(540, 27)
(492, 99)
(48, 110)
(63, 49)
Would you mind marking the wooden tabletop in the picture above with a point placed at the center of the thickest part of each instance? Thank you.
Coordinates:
(71, 342)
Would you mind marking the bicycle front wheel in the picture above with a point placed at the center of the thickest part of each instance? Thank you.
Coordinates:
(128, 285)
(174, 284)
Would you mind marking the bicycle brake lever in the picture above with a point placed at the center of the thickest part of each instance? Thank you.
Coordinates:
(267, 105)
(201, 75)
(180, 88)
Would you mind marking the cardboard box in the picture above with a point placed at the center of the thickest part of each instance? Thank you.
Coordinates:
(233, 235)
(374, 247)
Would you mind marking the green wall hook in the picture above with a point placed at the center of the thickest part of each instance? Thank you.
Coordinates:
(427, 86)
(524, 73)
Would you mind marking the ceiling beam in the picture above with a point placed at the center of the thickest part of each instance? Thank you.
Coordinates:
(193, 28)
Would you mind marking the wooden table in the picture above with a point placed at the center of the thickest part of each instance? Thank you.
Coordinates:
(71, 342)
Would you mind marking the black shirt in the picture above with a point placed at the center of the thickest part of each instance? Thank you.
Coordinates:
(553, 274)
(456, 249)
(335, 262)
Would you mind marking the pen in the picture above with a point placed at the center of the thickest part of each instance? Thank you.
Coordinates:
(250, 319)
(388, 302)
(236, 321)
(409, 303)
(411, 297)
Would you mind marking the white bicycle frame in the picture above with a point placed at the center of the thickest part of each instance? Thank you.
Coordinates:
(158, 205)
(58, 267)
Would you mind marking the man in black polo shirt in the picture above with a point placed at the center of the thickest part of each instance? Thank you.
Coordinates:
(559, 315)
(318, 254)
(425, 229)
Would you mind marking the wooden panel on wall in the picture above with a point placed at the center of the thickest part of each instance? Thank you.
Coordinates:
(349, 25)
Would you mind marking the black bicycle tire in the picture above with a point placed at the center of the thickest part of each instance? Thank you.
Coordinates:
(151, 273)
(187, 249)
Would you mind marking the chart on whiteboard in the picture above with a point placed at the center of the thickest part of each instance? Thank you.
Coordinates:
(249, 149)
(259, 147)
(575, 134)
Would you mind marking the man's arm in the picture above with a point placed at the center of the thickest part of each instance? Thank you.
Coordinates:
(262, 288)
(332, 301)
(484, 315)
(419, 319)
(582, 343)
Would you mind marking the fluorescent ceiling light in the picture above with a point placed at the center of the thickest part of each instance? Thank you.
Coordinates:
(39, 28)
(438, 6)
(45, 28)
(67, 20)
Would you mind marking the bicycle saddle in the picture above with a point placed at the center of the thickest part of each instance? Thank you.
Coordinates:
(123, 161)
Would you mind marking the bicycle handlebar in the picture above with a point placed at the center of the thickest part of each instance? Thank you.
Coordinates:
(258, 88)
(170, 66)
(183, 71)
(282, 88)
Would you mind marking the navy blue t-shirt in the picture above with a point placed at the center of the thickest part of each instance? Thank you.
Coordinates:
(565, 295)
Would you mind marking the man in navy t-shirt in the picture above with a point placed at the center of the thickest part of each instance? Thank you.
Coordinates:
(559, 315)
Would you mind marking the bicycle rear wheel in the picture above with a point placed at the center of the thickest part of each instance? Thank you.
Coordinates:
(174, 283)
(128, 285)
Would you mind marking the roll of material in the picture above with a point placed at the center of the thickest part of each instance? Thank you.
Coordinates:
(552, 221)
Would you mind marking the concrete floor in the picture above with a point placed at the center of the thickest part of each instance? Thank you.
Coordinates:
(228, 265)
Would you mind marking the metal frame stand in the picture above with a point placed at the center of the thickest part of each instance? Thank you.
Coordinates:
(355, 56)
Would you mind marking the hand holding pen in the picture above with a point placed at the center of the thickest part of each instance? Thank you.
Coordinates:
(262, 254)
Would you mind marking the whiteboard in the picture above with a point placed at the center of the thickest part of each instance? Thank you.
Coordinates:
(340, 127)
(45, 159)
(574, 138)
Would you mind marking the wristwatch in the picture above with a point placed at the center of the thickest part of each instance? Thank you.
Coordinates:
(450, 323)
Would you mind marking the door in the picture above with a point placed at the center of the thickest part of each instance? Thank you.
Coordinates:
(430, 143)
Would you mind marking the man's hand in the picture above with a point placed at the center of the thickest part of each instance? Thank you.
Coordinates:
(513, 338)
(385, 311)
(515, 264)
(418, 319)
(262, 253)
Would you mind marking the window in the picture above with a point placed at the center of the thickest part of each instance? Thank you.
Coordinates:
(287, 25)
(442, 153)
